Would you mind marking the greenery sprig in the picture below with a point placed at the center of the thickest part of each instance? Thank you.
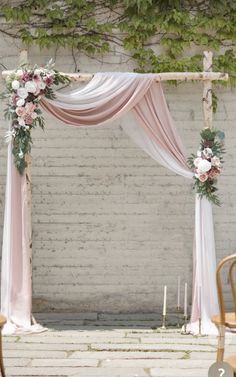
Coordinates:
(207, 164)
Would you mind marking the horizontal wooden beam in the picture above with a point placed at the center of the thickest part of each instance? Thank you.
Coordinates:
(165, 76)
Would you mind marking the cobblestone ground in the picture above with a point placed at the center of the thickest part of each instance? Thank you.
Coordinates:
(109, 348)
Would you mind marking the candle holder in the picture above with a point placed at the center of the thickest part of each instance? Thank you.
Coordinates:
(185, 332)
(178, 316)
(163, 327)
(200, 326)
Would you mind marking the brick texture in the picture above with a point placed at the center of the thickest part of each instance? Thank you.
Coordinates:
(110, 226)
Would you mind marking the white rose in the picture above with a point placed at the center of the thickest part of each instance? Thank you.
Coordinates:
(199, 153)
(197, 161)
(15, 84)
(37, 71)
(41, 85)
(215, 161)
(34, 115)
(21, 121)
(204, 166)
(22, 93)
(19, 72)
(20, 102)
(31, 86)
(207, 152)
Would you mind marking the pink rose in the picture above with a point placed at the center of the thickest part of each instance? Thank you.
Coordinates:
(20, 111)
(203, 177)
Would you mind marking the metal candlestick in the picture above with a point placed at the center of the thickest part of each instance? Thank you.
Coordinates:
(163, 327)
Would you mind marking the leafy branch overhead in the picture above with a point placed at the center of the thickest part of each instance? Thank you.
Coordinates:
(156, 34)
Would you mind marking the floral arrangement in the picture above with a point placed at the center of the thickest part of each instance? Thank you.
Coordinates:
(207, 164)
(24, 90)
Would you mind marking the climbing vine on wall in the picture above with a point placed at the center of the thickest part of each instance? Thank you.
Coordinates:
(157, 34)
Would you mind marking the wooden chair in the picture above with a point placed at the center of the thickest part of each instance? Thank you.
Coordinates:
(224, 319)
(3, 320)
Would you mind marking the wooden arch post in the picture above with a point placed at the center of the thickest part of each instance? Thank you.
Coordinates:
(23, 59)
(207, 90)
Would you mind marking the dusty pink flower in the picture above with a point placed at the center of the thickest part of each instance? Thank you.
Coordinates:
(214, 172)
(14, 99)
(26, 76)
(48, 80)
(20, 111)
(30, 107)
(203, 177)
(28, 119)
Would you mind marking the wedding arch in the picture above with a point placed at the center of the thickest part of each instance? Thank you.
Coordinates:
(108, 96)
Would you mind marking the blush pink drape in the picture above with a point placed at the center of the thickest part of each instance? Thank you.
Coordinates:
(139, 93)
(16, 290)
(106, 97)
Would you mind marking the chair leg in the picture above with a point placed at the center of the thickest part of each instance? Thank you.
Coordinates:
(1, 356)
(221, 343)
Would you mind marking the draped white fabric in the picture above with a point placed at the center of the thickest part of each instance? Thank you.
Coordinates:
(140, 138)
(106, 97)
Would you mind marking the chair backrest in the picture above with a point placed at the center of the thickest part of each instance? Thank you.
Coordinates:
(231, 277)
(232, 259)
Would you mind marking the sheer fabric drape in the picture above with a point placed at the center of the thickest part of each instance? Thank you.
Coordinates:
(106, 97)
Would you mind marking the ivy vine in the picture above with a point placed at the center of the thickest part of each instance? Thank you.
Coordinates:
(159, 35)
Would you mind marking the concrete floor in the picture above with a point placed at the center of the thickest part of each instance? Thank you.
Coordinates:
(110, 347)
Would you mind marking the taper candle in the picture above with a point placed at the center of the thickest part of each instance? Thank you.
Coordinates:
(164, 300)
(185, 299)
(178, 293)
(200, 310)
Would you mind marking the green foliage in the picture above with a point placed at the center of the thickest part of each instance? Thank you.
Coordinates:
(23, 143)
(158, 35)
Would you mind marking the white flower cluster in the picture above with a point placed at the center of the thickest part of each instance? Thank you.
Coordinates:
(206, 165)
(26, 88)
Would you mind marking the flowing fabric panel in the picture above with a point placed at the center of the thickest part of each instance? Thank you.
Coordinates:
(16, 278)
(106, 97)
(205, 301)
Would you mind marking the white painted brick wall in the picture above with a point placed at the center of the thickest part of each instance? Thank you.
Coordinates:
(110, 226)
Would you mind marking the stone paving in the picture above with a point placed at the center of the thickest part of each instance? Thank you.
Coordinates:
(109, 348)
